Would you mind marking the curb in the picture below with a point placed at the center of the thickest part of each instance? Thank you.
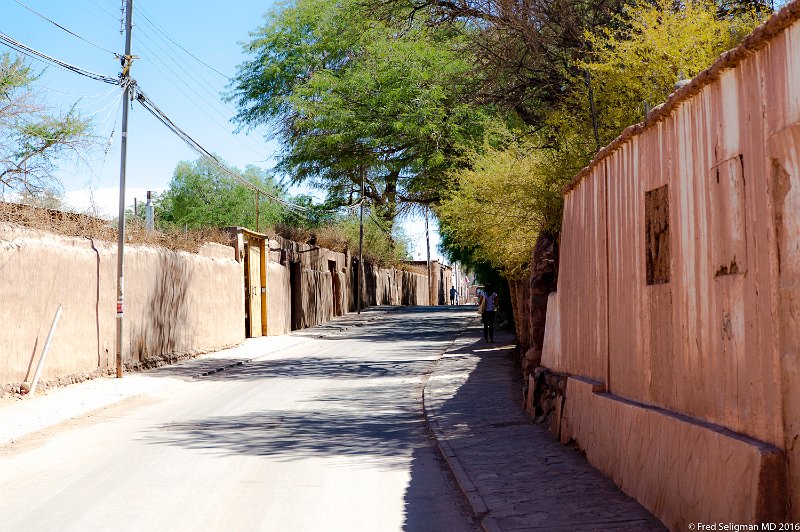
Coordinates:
(476, 502)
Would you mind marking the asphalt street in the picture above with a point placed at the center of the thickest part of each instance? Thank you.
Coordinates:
(326, 435)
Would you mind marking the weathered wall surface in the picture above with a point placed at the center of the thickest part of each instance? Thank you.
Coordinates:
(679, 285)
(176, 304)
(169, 309)
(278, 295)
(390, 286)
(676, 473)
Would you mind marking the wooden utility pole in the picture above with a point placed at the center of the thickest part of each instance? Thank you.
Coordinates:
(428, 246)
(361, 244)
(126, 94)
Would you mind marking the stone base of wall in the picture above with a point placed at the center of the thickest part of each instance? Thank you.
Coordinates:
(681, 469)
(545, 396)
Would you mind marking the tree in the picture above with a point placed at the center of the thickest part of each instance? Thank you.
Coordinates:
(201, 195)
(497, 208)
(353, 98)
(654, 44)
(526, 55)
(31, 136)
(512, 193)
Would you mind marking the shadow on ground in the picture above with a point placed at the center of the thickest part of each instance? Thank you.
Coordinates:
(527, 478)
(395, 334)
(376, 415)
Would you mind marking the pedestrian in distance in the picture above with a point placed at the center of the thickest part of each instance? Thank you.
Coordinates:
(488, 301)
(453, 293)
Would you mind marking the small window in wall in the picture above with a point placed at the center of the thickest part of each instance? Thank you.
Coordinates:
(656, 215)
(727, 216)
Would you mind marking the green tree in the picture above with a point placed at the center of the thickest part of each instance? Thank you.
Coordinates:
(499, 205)
(653, 45)
(201, 195)
(353, 98)
(32, 136)
(381, 244)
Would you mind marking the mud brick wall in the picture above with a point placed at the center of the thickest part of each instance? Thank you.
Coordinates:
(170, 311)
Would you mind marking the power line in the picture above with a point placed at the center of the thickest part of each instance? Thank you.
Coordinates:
(153, 109)
(196, 81)
(35, 54)
(380, 226)
(183, 81)
(158, 29)
(106, 11)
(56, 24)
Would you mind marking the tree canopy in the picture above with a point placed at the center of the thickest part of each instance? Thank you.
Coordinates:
(32, 136)
(201, 195)
(497, 207)
(480, 109)
(351, 97)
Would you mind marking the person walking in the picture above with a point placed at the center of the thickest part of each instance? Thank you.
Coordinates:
(453, 293)
(488, 298)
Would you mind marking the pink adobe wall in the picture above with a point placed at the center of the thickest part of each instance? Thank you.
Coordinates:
(719, 342)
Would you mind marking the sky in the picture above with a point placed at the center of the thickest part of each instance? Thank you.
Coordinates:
(186, 53)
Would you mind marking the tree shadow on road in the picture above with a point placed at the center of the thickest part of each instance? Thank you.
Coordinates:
(378, 421)
(393, 343)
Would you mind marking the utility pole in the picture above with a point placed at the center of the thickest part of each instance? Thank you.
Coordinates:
(126, 94)
(361, 244)
(149, 215)
(428, 246)
(257, 202)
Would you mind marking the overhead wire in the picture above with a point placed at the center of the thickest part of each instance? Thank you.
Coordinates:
(155, 32)
(104, 10)
(153, 109)
(166, 74)
(151, 35)
(155, 25)
(56, 24)
(35, 54)
(379, 225)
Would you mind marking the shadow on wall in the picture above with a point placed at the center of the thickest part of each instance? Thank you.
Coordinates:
(410, 293)
(163, 325)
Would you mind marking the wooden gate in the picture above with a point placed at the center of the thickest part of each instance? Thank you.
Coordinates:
(254, 255)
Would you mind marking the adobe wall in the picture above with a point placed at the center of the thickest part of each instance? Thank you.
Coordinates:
(679, 292)
(169, 310)
(176, 304)
(278, 294)
(390, 286)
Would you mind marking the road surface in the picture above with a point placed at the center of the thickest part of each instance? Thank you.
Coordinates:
(329, 435)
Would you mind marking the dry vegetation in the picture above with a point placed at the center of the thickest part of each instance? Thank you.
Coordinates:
(82, 225)
(325, 237)
(86, 226)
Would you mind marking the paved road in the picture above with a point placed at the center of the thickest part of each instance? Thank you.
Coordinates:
(329, 435)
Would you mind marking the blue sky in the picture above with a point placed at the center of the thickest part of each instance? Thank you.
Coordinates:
(185, 89)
